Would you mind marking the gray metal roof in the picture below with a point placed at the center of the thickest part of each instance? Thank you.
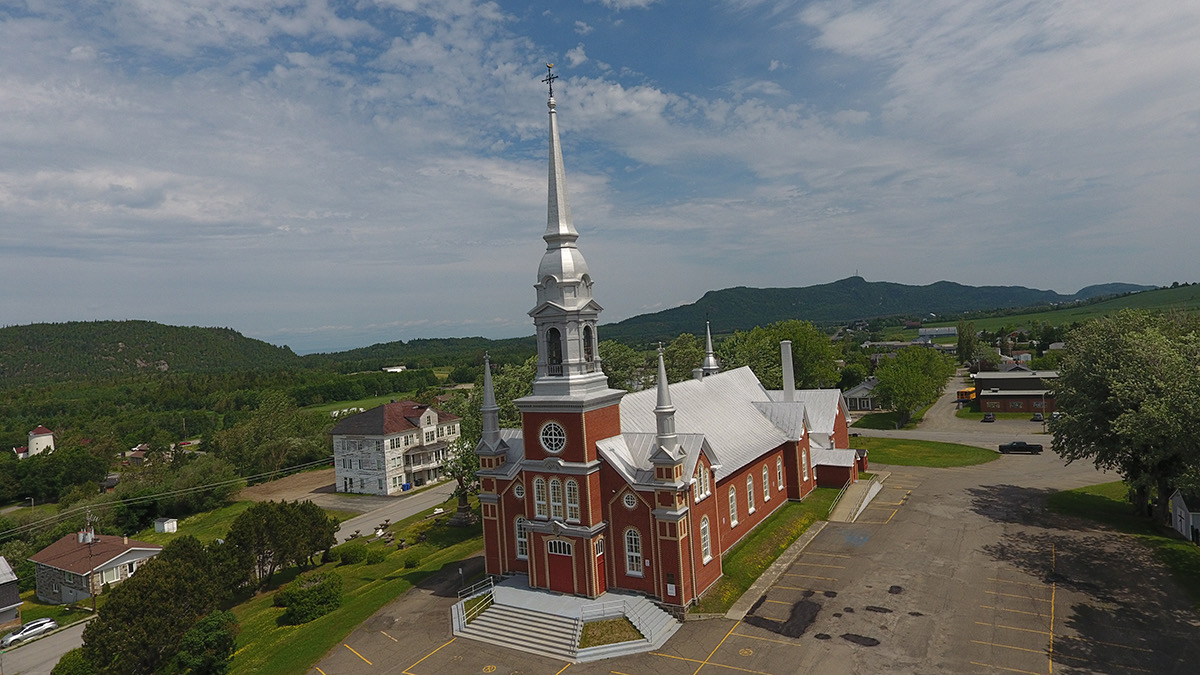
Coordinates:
(822, 406)
(832, 457)
(6, 571)
(630, 453)
(721, 407)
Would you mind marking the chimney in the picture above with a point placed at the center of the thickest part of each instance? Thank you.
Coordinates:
(789, 376)
(126, 538)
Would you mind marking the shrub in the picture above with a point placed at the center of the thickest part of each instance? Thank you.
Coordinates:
(310, 597)
(352, 552)
(73, 663)
(376, 555)
(412, 560)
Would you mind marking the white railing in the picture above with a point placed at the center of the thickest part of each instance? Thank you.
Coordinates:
(598, 611)
(838, 498)
(482, 589)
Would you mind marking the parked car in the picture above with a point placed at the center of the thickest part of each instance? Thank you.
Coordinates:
(1021, 446)
(30, 630)
(1038, 417)
(989, 417)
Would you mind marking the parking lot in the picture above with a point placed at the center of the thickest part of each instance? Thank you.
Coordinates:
(947, 571)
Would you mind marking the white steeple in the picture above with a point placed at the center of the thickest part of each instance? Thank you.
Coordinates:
(490, 432)
(565, 315)
(664, 412)
(710, 365)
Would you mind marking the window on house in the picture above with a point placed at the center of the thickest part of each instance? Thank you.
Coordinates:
(554, 351)
(633, 553)
(705, 541)
(750, 494)
(804, 459)
(766, 484)
(441, 431)
(380, 483)
(111, 575)
(539, 497)
(572, 501)
(600, 547)
(706, 473)
(522, 530)
(778, 473)
(732, 506)
(556, 498)
(428, 436)
(558, 547)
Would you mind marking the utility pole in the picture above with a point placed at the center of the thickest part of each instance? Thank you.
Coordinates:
(91, 540)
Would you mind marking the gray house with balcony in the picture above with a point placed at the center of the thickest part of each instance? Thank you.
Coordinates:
(393, 447)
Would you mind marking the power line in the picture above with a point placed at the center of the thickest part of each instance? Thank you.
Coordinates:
(58, 517)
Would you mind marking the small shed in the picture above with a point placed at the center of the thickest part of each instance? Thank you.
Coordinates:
(165, 525)
(1185, 515)
(835, 467)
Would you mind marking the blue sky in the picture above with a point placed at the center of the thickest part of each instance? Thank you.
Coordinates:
(329, 175)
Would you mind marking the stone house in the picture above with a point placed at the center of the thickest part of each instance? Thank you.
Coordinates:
(77, 566)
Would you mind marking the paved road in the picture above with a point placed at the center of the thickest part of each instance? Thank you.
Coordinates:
(38, 657)
(399, 509)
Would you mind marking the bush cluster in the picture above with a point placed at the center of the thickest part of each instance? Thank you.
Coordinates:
(310, 597)
(351, 553)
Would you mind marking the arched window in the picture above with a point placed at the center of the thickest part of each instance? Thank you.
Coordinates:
(589, 348)
(779, 473)
(766, 484)
(554, 352)
(732, 506)
(539, 497)
(705, 542)
(750, 493)
(572, 501)
(633, 552)
(707, 475)
(804, 458)
(556, 498)
(522, 530)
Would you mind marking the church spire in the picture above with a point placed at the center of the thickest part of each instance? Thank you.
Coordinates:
(664, 412)
(710, 365)
(491, 412)
(560, 230)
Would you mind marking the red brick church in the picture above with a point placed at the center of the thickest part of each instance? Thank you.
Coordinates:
(603, 489)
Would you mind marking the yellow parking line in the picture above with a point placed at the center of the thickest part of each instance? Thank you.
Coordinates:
(357, 654)
(809, 576)
(563, 668)
(1107, 644)
(389, 637)
(997, 644)
(892, 516)
(1025, 630)
(714, 651)
(708, 663)
(1022, 583)
(1016, 611)
(798, 588)
(831, 555)
(1011, 670)
(1011, 595)
(319, 670)
(425, 657)
(755, 637)
(836, 567)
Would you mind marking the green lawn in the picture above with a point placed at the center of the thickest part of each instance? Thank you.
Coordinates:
(212, 525)
(911, 452)
(746, 562)
(32, 608)
(265, 646)
(888, 421)
(1106, 504)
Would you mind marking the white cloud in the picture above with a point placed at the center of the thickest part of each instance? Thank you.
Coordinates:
(583, 28)
(576, 56)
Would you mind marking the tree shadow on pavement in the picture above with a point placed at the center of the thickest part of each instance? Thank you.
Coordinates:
(447, 581)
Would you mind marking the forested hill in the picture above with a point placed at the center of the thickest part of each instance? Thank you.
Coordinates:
(842, 301)
(91, 349)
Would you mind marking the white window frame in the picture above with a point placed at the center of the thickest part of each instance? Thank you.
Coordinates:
(539, 498)
(599, 547)
(556, 498)
(778, 473)
(521, 526)
(559, 547)
(705, 540)
(572, 501)
(766, 484)
(750, 493)
(633, 552)
(733, 511)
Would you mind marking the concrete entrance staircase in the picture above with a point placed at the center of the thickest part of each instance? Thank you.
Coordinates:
(557, 636)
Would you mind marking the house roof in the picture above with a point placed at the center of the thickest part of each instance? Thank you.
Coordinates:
(6, 571)
(833, 457)
(1190, 500)
(40, 431)
(389, 418)
(722, 407)
(822, 406)
(70, 555)
(864, 388)
(630, 454)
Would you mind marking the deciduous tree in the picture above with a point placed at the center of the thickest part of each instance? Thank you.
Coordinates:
(915, 377)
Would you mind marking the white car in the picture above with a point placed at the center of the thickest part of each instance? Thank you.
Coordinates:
(30, 630)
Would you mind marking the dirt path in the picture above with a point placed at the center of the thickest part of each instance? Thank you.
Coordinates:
(317, 486)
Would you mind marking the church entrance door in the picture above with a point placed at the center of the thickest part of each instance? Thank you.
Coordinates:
(560, 564)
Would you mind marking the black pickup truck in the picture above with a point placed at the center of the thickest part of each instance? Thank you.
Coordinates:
(1021, 446)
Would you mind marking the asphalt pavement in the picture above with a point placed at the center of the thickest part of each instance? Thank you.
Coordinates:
(38, 657)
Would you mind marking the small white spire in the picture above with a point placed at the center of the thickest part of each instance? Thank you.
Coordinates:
(490, 432)
(664, 412)
(710, 365)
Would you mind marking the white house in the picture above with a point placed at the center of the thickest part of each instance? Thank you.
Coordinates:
(392, 447)
(1185, 515)
(41, 440)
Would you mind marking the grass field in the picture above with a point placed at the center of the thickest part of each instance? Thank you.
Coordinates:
(1160, 300)
(1106, 504)
(212, 525)
(888, 421)
(754, 554)
(32, 608)
(267, 646)
(910, 452)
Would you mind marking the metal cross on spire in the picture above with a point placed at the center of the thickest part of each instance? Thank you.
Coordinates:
(550, 78)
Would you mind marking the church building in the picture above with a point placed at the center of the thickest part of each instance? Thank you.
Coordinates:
(602, 489)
